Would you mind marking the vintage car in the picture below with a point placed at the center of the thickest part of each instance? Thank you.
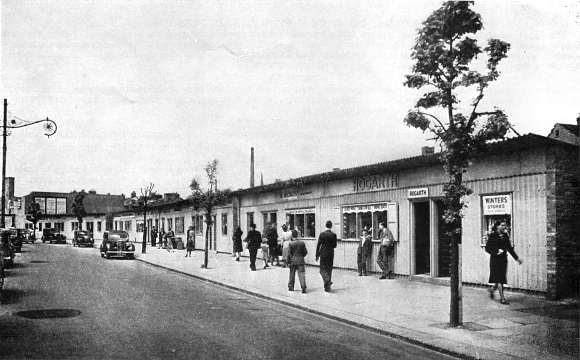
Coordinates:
(83, 238)
(117, 244)
(6, 248)
(17, 237)
(53, 236)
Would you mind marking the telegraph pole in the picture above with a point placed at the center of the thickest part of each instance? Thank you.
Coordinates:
(2, 220)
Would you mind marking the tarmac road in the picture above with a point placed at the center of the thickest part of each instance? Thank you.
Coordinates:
(123, 309)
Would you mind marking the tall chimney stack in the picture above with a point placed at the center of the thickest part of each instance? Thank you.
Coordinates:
(252, 168)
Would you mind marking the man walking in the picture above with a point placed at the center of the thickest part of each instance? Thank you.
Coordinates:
(271, 235)
(325, 252)
(254, 240)
(296, 253)
(385, 251)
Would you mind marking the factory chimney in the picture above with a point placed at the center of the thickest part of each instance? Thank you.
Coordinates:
(252, 168)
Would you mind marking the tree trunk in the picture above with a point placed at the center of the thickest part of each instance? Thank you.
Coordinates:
(455, 316)
(207, 230)
(144, 243)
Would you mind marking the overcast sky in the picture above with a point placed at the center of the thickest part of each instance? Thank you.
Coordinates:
(150, 91)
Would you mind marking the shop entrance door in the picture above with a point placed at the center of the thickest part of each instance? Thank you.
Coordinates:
(421, 231)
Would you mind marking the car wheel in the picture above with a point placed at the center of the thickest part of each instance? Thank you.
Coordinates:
(107, 255)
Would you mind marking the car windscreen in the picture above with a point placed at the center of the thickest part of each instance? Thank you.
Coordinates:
(119, 237)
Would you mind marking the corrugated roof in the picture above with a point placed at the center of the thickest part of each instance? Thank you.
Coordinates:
(570, 127)
(513, 144)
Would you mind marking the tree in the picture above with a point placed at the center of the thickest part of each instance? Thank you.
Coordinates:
(443, 55)
(207, 200)
(34, 215)
(78, 207)
(134, 194)
(147, 194)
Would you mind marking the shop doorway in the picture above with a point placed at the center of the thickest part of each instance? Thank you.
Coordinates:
(421, 231)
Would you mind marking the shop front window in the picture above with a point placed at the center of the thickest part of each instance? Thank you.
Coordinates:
(349, 225)
(356, 218)
(310, 225)
(303, 221)
(249, 220)
(179, 226)
(224, 224)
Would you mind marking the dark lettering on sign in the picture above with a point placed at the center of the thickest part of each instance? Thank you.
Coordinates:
(375, 182)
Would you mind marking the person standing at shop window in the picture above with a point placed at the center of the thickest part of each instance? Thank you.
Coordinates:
(385, 257)
(285, 237)
(190, 244)
(237, 238)
(498, 245)
(272, 235)
(364, 250)
(254, 240)
(153, 236)
(325, 252)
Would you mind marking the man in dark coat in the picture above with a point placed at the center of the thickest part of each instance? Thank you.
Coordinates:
(325, 252)
(385, 258)
(272, 235)
(296, 254)
(153, 236)
(254, 240)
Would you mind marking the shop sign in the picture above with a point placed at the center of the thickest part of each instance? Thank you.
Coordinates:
(418, 193)
(365, 208)
(497, 204)
(375, 182)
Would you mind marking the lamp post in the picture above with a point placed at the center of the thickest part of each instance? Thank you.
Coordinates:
(49, 130)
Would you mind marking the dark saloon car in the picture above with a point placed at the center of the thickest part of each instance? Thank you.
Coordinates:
(6, 248)
(17, 237)
(53, 236)
(83, 238)
(117, 244)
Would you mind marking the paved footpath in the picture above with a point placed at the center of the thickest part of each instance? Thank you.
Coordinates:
(529, 328)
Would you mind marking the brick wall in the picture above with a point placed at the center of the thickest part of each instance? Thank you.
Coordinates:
(562, 234)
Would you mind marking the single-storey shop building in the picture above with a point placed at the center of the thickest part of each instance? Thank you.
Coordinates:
(528, 181)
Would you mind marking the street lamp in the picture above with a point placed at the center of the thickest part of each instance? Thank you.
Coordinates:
(49, 127)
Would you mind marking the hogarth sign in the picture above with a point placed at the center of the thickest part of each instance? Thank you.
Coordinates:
(418, 193)
(375, 182)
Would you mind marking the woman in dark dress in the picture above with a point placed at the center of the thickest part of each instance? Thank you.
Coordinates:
(238, 248)
(498, 245)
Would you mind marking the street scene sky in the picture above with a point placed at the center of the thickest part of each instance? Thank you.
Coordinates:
(151, 91)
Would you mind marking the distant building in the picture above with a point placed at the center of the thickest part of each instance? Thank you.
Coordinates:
(566, 133)
(57, 211)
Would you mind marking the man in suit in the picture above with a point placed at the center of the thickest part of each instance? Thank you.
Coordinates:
(325, 252)
(385, 259)
(296, 253)
(254, 240)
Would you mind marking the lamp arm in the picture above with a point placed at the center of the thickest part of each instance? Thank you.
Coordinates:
(50, 126)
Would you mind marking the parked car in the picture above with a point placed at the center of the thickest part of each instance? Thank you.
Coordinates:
(84, 238)
(53, 236)
(6, 248)
(117, 244)
(29, 236)
(16, 239)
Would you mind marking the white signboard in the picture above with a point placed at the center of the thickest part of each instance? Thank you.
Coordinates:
(497, 204)
(418, 193)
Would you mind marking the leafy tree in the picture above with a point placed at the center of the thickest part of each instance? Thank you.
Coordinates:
(147, 195)
(34, 215)
(78, 207)
(208, 199)
(443, 55)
